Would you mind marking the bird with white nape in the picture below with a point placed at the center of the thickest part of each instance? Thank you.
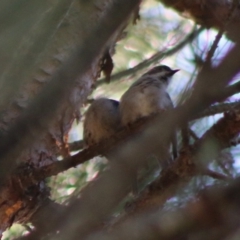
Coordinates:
(148, 96)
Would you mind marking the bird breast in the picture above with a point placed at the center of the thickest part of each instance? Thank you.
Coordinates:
(102, 120)
(144, 100)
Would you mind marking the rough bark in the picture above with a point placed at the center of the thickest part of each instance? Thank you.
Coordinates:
(45, 43)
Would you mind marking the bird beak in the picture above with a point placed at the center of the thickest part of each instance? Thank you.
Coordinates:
(173, 72)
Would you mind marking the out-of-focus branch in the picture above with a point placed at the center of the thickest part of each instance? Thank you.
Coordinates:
(122, 135)
(47, 205)
(218, 108)
(40, 113)
(86, 154)
(32, 26)
(184, 168)
(207, 88)
(231, 90)
(172, 175)
(115, 182)
(212, 210)
(213, 174)
(105, 146)
(133, 154)
(156, 57)
(172, 178)
(211, 13)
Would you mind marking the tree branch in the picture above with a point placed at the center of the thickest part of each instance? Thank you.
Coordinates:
(106, 146)
(212, 110)
(208, 213)
(38, 115)
(156, 57)
(184, 168)
(219, 108)
(115, 182)
(210, 14)
(212, 50)
(76, 146)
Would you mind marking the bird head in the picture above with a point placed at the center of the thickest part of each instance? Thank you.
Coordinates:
(162, 73)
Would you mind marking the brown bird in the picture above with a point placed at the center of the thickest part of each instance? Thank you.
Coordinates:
(101, 121)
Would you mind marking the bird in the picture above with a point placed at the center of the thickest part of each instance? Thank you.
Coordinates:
(148, 96)
(102, 120)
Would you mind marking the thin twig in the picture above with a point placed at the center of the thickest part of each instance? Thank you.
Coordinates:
(156, 57)
(221, 32)
(219, 108)
(215, 175)
(214, 46)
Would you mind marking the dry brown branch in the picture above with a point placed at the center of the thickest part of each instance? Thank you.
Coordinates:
(220, 33)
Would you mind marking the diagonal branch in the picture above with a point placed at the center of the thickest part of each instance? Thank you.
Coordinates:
(210, 212)
(212, 50)
(219, 108)
(210, 14)
(185, 168)
(121, 136)
(212, 110)
(114, 183)
(39, 114)
(156, 57)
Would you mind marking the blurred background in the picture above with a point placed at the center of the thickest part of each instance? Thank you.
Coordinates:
(159, 29)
